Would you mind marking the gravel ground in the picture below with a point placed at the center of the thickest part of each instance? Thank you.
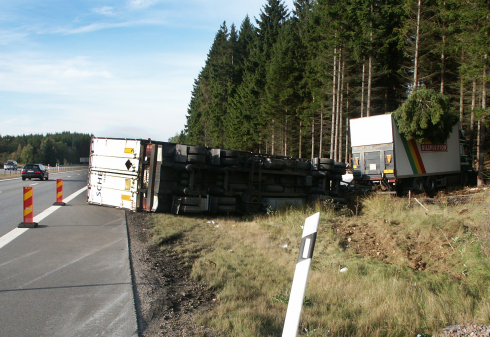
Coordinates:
(166, 298)
(469, 330)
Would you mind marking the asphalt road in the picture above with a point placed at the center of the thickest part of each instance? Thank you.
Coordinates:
(70, 276)
(44, 195)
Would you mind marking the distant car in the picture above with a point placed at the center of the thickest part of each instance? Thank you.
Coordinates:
(30, 171)
(10, 165)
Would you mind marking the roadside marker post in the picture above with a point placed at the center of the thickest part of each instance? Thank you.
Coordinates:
(298, 289)
(28, 209)
(59, 193)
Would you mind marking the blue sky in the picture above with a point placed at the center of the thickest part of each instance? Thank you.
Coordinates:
(110, 68)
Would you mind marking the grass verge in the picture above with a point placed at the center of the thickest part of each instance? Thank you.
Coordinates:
(410, 270)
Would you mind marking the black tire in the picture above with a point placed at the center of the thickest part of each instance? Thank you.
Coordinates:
(226, 208)
(197, 150)
(430, 184)
(196, 158)
(23, 178)
(229, 161)
(418, 185)
(339, 164)
(463, 179)
(190, 209)
(47, 177)
(229, 153)
(326, 167)
(190, 201)
(226, 201)
(326, 161)
(251, 202)
(303, 165)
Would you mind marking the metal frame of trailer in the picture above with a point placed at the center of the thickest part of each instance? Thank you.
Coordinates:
(153, 176)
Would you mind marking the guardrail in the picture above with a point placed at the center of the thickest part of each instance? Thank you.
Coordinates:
(53, 169)
(62, 168)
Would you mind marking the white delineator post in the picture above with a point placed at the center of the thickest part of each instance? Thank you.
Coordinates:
(298, 288)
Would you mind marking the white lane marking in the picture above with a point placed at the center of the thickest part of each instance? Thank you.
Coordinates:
(34, 184)
(69, 177)
(14, 233)
(74, 195)
(77, 174)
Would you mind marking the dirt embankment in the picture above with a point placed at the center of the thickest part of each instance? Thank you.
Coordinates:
(166, 297)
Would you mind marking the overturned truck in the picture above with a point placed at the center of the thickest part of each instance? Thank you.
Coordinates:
(153, 176)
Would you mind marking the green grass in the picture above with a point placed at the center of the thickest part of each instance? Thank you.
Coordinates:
(246, 262)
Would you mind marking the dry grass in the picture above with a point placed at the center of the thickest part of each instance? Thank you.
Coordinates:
(247, 263)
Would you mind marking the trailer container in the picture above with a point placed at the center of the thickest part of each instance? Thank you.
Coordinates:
(153, 176)
(382, 156)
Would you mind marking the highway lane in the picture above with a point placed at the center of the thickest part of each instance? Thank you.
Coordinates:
(44, 195)
(70, 276)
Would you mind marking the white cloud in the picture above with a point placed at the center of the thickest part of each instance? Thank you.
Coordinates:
(141, 4)
(105, 10)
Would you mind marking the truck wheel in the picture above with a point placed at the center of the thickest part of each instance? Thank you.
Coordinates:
(196, 158)
(190, 209)
(326, 161)
(464, 178)
(229, 153)
(303, 165)
(197, 150)
(430, 185)
(229, 161)
(418, 185)
(251, 202)
(191, 201)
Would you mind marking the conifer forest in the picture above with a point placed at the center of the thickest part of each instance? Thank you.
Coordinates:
(287, 82)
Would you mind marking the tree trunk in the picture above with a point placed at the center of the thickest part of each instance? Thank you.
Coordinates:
(300, 137)
(370, 69)
(362, 86)
(313, 136)
(347, 124)
(320, 150)
(341, 112)
(417, 43)
(286, 134)
(461, 95)
(334, 105)
(443, 63)
(273, 138)
(336, 135)
(472, 122)
(347, 140)
(481, 127)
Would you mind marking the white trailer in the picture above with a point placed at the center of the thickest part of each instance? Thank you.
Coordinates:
(381, 155)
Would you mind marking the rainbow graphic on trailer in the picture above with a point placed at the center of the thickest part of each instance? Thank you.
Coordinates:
(413, 155)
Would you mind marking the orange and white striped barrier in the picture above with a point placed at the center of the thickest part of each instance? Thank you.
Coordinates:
(28, 209)
(59, 193)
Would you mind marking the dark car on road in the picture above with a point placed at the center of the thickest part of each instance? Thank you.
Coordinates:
(30, 171)
(10, 165)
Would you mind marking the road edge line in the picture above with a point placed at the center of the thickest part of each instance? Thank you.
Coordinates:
(16, 232)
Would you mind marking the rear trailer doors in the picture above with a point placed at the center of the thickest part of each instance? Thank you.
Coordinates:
(114, 172)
